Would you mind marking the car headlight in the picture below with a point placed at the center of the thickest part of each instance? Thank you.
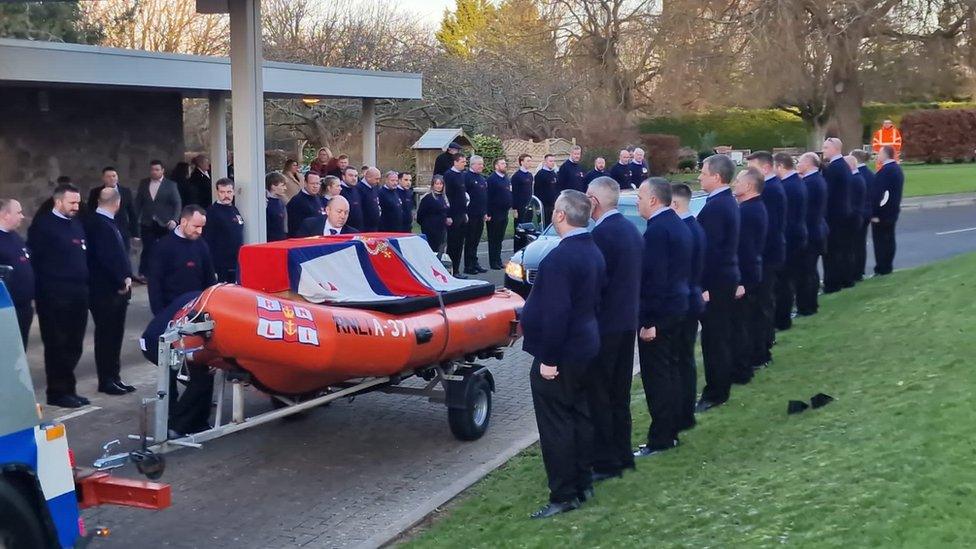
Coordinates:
(515, 270)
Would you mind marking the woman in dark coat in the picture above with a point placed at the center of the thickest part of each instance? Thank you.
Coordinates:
(432, 215)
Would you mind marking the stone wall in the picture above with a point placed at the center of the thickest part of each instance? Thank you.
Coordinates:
(46, 133)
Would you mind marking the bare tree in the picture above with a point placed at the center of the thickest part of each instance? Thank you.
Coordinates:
(158, 25)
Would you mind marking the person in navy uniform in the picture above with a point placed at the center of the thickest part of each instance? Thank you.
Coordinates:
(570, 173)
(838, 177)
(332, 223)
(665, 269)
(477, 213)
(859, 190)
(749, 326)
(611, 372)
(795, 232)
(432, 215)
(561, 332)
(621, 171)
(183, 262)
(224, 232)
(110, 289)
(350, 179)
(391, 206)
(720, 278)
(57, 241)
(639, 169)
(307, 203)
(808, 280)
(445, 160)
(369, 199)
(544, 186)
(457, 200)
(599, 170)
(275, 186)
(688, 335)
(867, 211)
(405, 190)
(499, 204)
(773, 254)
(889, 184)
(127, 219)
(522, 181)
(14, 254)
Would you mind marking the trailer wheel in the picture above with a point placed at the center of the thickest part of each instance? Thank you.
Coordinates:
(19, 525)
(470, 419)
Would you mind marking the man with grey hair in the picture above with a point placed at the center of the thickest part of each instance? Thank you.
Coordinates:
(609, 376)
(476, 187)
(720, 278)
(560, 327)
(14, 254)
(639, 169)
(837, 174)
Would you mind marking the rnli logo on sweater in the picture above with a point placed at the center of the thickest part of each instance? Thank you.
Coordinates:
(285, 322)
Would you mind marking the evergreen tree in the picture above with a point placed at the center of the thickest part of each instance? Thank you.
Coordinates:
(460, 29)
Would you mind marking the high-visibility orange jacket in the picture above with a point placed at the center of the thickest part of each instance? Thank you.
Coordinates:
(887, 136)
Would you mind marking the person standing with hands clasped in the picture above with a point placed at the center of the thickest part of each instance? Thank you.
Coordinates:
(224, 232)
(561, 331)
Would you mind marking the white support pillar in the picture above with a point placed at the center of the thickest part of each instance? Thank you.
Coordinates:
(247, 102)
(369, 132)
(218, 136)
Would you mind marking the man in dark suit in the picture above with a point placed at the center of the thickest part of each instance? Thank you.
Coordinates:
(610, 375)
(666, 263)
(621, 171)
(795, 232)
(499, 206)
(570, 173)
(127, 219)
(369, 199)
(224, 231)
(110, 288)
(720, 278)
(445, 160)
(773, 254)
(14, 254)
(544, 186)
(859, 190)
(867, 211)
(749, 326)
(477, 213)
(889, 183)
(307, 203)
(332, 223)
(808, 281)
(561, 332)
(687, 369)
(457, 198)
(158, 207)
(198, 189)
(522, 189)
(838, 177)
(391, 205)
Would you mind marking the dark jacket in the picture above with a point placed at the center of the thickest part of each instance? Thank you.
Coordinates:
(859, 190)
(177, 266)
(59, 255)
(569, 176)
(621, 173)
(127, 219)
(816, 211)
(559, 320)
(351, 194)
(371, 206)
(315, 226)
(276, 219)
(696, 304)
(477, 189)
(837, 174)
(406, 209)
(165, 208)
(301, 207)
(391, 210)
(14, 253)
(499, 195)
(544, 188)
(796, 213)
(666, 266)
(774, 198)
(889, 179)
(752, 239)
(443, 162)
(593, 174)
(720, 220)
(197, 190)
(871, 197)
(108, 260)
(621, 245)
(224, 233)
(639, 171)
(521, 188)
(432, 214)
(454, 189)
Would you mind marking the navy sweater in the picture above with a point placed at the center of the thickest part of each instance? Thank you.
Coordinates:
(591, 175)
(276, 220)
(391, 210)
(570, 176)
(816, 210)
(456, 194)
(477, 189)
(108, 260)
(752, 240)
(59, 257)
(837, 174)
(406, 209)
(177, 266)
(371, 207)
(666, 266)
(302, 206)
(521, 189)
(559, 320)
(355, 200)
(870, 193)
(14, 253)
(545, 188)
(224, 233)
(621, 174)
(796, 213)
(720, 220)
(499, 195)
(774, 198)
(621, 245)
(639, 171)
(432, 214)
(889, 179)
(696, 305)
(858, 191)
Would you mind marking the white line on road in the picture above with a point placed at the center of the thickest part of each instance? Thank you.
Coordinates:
(78, 413)
(956, 231)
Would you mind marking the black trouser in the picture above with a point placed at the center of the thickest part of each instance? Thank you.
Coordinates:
(766, 296)
(808, 282)
(472, 237)
(435, 239)
(861, 249)
(25, 317)
(150, 236)
(787, 287)
(835, 262)
(744, 338)
(687, 374)
(524, 215)
(855, 240)
(62, 317)
(565, 431)
(716, 342)
(608, 396)
(191, 413)
(108, 312)
(455, 242)
(497, 226)
(660, 374)
(883, 236)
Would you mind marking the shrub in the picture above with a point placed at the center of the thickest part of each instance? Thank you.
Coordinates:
(662, 152)
(687, 164)
(488, 147)
(937, 135)
(741, 128)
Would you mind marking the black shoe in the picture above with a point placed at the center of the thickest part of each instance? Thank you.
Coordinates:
(472, 271)
(480, 269)
(600, 477)
(645, 450)
(496, 266)
(459, 276)
(687, 425)
(760, 366)
(84, 401)
(706, 405)
(128, 388)
(586, 495)
(112, 389)
(553, 509)
(65, 401)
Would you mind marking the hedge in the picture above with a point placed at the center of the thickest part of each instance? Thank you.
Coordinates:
(936, 135)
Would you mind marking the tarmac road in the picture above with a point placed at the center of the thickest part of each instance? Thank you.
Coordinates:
(344, 474)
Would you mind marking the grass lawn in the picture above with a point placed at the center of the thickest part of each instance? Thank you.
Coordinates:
(888, 464)
(929, 179)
